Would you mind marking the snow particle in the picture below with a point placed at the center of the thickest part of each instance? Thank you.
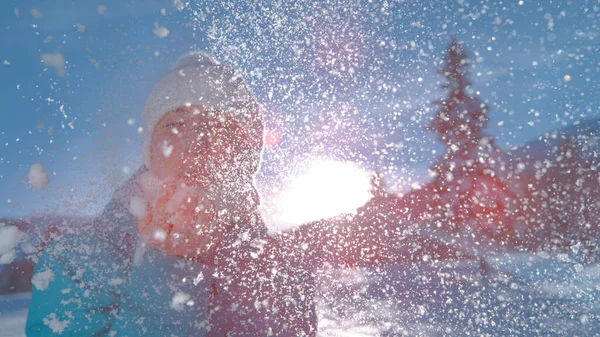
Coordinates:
(8, 257)
(10, 238)
(160, 235)
(166, 149)
(42, 280)
(80, 27)
(198, 278)
(178, 5)
(54, 324)
(38, 177)
(28, 248)
(160, 31)
(179, 300)
(36, 13)
(56, 60)
(115, 281)
(101, 9)
(567, 78)
(137, 207)
(576, 247)
(584, 319)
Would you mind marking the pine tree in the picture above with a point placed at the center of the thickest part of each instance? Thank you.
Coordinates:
(565, 201)
(468, 193)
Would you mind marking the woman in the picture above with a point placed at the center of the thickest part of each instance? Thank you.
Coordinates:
(181, 248)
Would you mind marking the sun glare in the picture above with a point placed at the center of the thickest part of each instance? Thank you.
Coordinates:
(326, 188)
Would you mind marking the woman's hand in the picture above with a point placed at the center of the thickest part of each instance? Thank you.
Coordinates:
(180, 223)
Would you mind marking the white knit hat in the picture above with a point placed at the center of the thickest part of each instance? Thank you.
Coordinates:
(197, 78)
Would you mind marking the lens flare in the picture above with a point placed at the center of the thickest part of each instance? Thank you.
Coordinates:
(326, 189)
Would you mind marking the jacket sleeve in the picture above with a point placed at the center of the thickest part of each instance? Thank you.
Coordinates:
(346, 242)
(68, 299)
(84, 290)
(374, 237)
(164, 296)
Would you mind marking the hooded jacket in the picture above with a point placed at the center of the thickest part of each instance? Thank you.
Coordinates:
(100, 281)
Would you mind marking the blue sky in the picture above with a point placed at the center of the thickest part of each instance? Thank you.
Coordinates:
(536, 63)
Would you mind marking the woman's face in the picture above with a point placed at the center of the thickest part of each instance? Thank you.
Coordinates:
(170, 142)
(191, 143)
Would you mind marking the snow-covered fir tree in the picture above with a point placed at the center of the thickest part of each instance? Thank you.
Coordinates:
(468, 193)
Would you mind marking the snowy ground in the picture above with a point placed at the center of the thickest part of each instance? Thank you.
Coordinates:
(13, 314)
(521, 295)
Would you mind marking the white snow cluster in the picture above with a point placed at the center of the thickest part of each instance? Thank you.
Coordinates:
(160, 31)
(178, 5)
(179, 301)
(56, 325)
(55, 60)
(166, 148)
(42, 280)
(160, 235)
(10, 238)
(38, 177)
